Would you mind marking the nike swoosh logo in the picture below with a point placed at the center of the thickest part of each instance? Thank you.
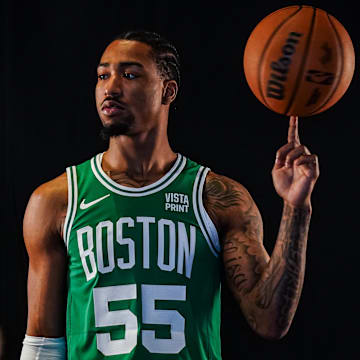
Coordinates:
(84, 206)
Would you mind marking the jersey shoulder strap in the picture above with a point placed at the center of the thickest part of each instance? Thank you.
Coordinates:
(206, 224)
(76, 174)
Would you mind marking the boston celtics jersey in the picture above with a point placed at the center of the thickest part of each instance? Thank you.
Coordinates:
(143, 278)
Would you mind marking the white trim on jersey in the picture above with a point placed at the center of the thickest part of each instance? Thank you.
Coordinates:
(205, 216)
(69, 204)
(72, 202)
(207, 227)
(160, 184)
(143, 188)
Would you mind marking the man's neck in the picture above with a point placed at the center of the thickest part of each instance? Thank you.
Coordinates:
(140, 156)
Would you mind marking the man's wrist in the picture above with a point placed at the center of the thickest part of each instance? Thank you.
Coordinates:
(304, 207)
(42, 348)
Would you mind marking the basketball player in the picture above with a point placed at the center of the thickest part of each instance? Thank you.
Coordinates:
(125, 249)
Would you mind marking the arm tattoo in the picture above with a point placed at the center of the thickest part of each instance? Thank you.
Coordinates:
(273, 286)
(243, 262)
(221, 195)
(241, 252)
(251, 225)
(296, 229)
(283, 279)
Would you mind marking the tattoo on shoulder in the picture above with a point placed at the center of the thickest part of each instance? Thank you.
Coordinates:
(222, 194)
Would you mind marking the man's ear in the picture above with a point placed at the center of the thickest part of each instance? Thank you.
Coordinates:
(169, 92)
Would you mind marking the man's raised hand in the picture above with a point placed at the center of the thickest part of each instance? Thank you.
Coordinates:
(295, 170)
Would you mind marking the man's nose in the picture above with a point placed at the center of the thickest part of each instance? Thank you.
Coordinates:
(114, 86)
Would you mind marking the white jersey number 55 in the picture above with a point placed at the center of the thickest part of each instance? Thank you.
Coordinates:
(150, 315)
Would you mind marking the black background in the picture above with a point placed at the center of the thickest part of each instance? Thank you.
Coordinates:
(49, 54)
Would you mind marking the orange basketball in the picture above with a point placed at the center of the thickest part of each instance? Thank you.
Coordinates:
(299, 60)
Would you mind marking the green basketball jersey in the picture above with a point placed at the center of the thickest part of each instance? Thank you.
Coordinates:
(144, 268)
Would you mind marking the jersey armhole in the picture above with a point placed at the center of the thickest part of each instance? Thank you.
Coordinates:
(72, 203)
(206, 225)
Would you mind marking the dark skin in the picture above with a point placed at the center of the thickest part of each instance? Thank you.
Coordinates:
(267, 288)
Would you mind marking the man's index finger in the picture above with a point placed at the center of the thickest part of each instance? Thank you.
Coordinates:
(293, 133)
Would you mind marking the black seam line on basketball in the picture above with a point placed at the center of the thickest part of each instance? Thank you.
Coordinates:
(341, 71)
(197, 201)
(298, 79)
(142, 192)
(266, 47)
(65, 231)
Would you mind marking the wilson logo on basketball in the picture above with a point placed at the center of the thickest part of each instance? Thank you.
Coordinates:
(275, 87)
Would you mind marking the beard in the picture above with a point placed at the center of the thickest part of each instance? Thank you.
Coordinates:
(117, 127)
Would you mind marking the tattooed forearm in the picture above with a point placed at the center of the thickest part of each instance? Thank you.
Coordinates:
(281, 283)
(296, 228)
(267, 288)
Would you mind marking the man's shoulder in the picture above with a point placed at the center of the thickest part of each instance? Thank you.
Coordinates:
(46, 211)
(225, 199)
(53, 192)
(56, 189)
(223, 185)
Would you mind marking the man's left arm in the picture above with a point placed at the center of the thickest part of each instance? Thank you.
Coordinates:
(267, 288)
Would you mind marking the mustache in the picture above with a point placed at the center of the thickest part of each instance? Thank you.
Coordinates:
(113, 99)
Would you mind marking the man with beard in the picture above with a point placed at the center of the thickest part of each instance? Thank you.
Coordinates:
(125, 249)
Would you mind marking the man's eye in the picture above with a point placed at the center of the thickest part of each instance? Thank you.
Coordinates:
(102, 76)
(129, 76)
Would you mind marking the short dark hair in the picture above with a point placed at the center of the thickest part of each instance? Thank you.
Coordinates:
(164, 53)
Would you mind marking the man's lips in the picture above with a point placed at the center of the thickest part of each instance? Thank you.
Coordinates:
(111, 110)
(112, 107)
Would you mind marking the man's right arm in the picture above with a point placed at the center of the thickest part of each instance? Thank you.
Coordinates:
(42, 228)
